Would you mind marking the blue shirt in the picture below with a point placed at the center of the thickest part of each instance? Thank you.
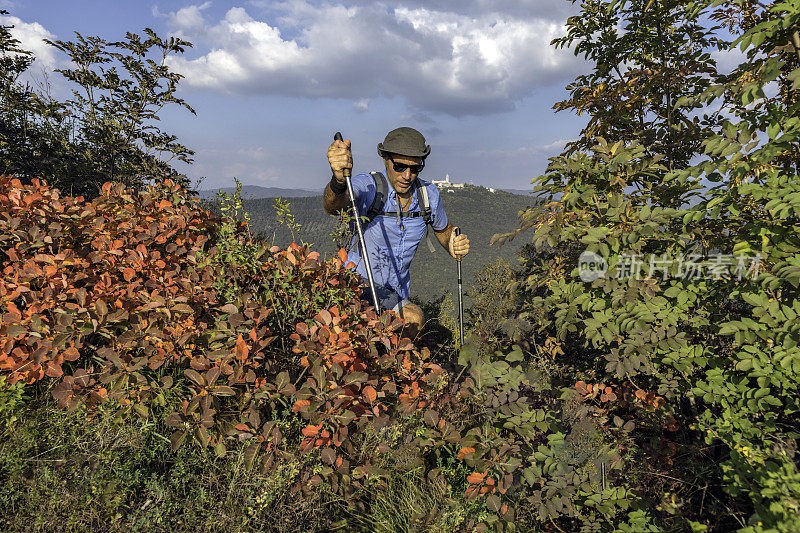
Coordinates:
(390, 246)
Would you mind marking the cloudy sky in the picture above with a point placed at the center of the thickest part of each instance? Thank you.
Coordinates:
(272, 81)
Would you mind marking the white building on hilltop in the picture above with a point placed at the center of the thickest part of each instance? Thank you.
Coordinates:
(446, 184)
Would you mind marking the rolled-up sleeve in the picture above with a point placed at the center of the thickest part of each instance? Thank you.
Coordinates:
(438, 216)
(364, 191)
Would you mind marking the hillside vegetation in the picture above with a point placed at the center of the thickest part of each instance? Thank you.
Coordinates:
(637, 370)
(480, 214)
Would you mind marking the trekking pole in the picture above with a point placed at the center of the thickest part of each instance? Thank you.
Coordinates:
(346, 171)
(460, 300)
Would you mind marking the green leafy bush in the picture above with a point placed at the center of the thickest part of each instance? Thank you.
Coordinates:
(678, 388)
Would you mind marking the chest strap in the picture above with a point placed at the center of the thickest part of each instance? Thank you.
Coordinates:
(381, 196)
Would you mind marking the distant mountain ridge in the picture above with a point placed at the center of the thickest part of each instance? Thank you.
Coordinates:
(523, 192)
(256, 192)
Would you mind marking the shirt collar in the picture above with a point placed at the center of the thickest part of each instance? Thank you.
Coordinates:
(393, 195)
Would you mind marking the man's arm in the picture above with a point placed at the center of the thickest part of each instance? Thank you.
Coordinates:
(333, 202)
(444, 236)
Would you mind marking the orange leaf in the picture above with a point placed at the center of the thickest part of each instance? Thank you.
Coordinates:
(476, 477)
(241, 349)
(128, 274)
(464, 452)
(311, 430)
(325, 316)
(343, 255)
(369, 393)
(299, 404)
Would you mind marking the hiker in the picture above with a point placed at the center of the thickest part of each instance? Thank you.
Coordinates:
(399, 207)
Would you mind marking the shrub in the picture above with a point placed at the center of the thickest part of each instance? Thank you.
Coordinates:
(673, 405)
(124, 303)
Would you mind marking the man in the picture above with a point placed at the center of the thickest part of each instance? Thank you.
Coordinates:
(393, 236)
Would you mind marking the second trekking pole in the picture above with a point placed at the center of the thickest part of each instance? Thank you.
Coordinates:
(460, 299)
(364, 254)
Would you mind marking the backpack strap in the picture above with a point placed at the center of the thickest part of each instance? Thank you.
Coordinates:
(381, 194)
(425, 210)
(424, 203)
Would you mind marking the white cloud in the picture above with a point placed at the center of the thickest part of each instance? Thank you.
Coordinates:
(437, 60)
(30, 36)
(253, 165)
(189, 19)
(557, 145)
(552, 148)
(362, 106)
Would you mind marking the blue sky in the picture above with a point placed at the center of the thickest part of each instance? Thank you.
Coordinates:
(272, 81)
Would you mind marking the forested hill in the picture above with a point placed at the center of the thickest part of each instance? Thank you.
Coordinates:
(479, 212)
(255, 191)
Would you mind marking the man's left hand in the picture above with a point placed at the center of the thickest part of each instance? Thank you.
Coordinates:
(459, 245)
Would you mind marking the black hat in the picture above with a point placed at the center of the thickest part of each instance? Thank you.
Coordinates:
(404, 141)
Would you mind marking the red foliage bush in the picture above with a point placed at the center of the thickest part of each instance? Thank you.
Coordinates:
(117, 299)
(115, 277)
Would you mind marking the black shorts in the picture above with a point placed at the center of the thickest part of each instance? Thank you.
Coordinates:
(387, 297)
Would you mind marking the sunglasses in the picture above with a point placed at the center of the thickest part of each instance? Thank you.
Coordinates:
(401, 167)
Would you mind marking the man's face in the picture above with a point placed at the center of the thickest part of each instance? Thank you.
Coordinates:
(401, 181)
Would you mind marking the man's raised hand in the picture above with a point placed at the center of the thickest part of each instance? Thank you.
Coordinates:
(459, 245)
(340, 158)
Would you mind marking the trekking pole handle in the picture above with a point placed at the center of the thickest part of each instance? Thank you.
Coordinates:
(338, 137)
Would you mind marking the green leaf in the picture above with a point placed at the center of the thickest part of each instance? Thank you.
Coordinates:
(177, 438)
(493, 503)
(219, 450)
(794, 77)
(195, 376)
